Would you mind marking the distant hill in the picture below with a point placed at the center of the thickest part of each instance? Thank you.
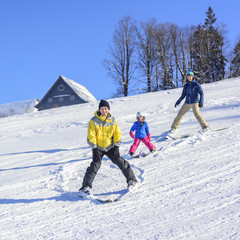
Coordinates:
(15, 108)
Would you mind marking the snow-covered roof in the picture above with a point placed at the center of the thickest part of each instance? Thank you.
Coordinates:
(80, 90)
(77, 88)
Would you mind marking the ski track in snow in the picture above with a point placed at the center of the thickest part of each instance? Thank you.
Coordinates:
(191, 186)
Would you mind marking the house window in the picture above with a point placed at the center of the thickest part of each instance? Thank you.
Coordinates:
(61, 88)
(60, 99)
(50, 100)
(72, 97)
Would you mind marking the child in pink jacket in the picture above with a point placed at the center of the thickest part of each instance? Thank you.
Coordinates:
(141, 134)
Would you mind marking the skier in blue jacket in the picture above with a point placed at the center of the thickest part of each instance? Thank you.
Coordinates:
(140, 127)
(193, 93)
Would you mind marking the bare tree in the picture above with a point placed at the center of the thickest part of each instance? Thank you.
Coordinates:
(181, 38)
(164, 54)
(191, 46)
(146, 49)
(120, 65)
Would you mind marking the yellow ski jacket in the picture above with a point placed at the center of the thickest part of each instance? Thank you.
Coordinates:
(103, 132)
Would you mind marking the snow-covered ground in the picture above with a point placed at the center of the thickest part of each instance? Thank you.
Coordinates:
(16, 108)
(191, 190)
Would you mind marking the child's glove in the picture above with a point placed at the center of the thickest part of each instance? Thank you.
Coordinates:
(132, 135)
(149, 137)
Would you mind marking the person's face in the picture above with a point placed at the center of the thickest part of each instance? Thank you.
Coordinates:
(189, 78)
(140, 119)
(104, 111)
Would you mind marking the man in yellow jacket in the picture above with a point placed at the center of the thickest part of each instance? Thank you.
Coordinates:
(104, 136)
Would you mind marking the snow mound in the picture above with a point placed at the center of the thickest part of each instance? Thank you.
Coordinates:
(16, 108)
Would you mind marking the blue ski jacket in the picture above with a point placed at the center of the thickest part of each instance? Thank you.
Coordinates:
(141, 129)
(191, 90)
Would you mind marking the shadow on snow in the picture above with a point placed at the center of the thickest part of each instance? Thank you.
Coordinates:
(66, 196)
(44, 165)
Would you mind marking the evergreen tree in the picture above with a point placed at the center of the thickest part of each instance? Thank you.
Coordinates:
(235, 63)
(199, 55)
(211, 19)
(208, 59)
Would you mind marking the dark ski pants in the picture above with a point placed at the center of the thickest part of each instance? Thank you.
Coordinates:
(114, 156)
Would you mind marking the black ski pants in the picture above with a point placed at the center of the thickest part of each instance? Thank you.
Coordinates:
(114, 156)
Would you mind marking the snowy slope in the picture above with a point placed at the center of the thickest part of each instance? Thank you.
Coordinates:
(9, 109)
(191, 190)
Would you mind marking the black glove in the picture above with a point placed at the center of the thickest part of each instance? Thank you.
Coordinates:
(116, 148)
(177, 103)
(94, 149)
(115, 151)
(200, 105)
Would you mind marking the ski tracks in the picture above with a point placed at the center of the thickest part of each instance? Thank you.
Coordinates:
(202, 187)
(187, 187)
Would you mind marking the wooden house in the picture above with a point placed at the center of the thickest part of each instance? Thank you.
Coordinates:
(65, 92)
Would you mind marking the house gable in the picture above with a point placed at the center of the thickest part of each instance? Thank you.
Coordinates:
(60, 94)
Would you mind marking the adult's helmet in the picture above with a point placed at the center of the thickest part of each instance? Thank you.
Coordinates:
(190, 73)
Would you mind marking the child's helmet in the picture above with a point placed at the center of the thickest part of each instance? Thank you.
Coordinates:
(140, 114)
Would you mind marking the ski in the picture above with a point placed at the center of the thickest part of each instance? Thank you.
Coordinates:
(127, 192)
(178, 137)
(189, 135)
(124, 194)
(104, 200)
(94, 199)
(141, 155)
(117, 199)
(219, 129)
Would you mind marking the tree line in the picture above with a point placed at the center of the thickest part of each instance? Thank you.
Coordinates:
(156, 56)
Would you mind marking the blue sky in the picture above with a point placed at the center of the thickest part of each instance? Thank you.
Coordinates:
(42, 39)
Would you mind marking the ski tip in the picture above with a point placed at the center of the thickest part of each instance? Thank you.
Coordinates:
(104, 201)
(136, 156)
(169, 138)
(117, 200)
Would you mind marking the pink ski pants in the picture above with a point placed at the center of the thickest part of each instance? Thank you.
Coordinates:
(137, 141)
